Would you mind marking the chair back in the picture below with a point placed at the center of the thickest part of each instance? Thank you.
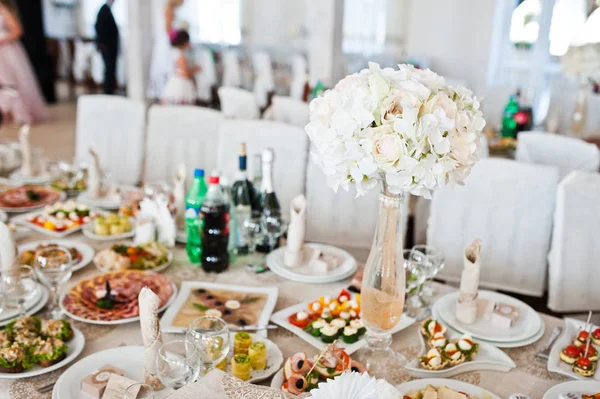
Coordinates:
(238, 103)
(207, 77)
(232, 74)
(298, 77)
(288, 110)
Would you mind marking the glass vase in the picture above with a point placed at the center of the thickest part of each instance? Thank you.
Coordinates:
(383, 288)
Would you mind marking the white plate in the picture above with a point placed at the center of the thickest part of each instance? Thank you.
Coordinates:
(75, 346)
(85, 250)
(469, 389)
(187, 286)
(277, 380)
(157, 269)
(128, 358)
(6, 184)
(517, 344)
(35, 305)
(22, 220)
(113, 322)
(488, 358)
(88, 231)
(572, 328)
(109, 204)
(274, 359)
(306, 274)
(33, 180)
(62, 197)
(526, 326)
(587, 387)
(281, 318)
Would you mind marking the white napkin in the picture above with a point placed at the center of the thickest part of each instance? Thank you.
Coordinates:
(293, 256)
(155, 212)
(151, 335)
(26, 158)
(94, 181)
(179, 194)
(348, 386)
(8, 248)
(469, 280)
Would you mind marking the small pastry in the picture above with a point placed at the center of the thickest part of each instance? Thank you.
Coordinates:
(453, 355)
(570, 354)
(241, 342)
(240, 367)
(315, 327)
(257, 352)
(339, 323)
(438, 341)
(467, 346)
(60, 329)
(433, 360)
(596, 336)
(584, 367)
(430, 327)
(329, 333)
(591, 354)
(14, 359)
(581, 339)
(350, 335)
(50, 351)
(358, 324)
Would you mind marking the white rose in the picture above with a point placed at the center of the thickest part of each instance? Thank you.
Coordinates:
(388, 148)
(442, 101)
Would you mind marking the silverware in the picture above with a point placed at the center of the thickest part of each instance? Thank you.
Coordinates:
(253, 328)
(519, 396)
(46, 388)
(572, 395)
(545, 353)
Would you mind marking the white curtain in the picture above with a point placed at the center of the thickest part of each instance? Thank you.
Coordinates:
(213, 21)
(364, 26)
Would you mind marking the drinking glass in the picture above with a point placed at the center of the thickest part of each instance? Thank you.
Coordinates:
(252, 229)
(415, 277)
(19, 286)
(211, 337)
(53, 267)
(427, 261)
(177, 364)
(435, 264)
(274, 226)
(139, 391)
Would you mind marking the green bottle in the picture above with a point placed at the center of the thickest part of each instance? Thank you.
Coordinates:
(509, 125)
(318, 89)
(193, 202)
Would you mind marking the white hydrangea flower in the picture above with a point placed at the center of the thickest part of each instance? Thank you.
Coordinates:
(405, 126)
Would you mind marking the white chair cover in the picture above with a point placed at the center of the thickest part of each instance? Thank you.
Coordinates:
(298, 77)
(290, 144)
(573, 277)
(264, 80)
(288, 110)
(339, 218)
(82, 59)
(180, 134)
(238, 103)
(567, 153)
(509, 205)
(207, 77)
(97, 67)
(122, 70)
(115, 127)
(232, 74)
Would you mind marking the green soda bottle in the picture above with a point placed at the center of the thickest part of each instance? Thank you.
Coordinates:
(193, 202)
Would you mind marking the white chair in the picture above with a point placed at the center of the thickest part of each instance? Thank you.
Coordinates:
(97, 67)
(298, 77)
(509, 205)
(339, 218)
(573, 277)
(207, 77)
(180, 134)
(232, 74)
(290, 144)
(288, 110)
(264, 80)
(82, 59)
(567, 153)
(115, 127)
(238, 103)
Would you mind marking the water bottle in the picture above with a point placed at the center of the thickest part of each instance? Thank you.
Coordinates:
(214, 216)
(193, 203)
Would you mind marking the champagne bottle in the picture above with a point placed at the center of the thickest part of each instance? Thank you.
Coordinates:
(269, 204)
(257, 177)
(241, 199)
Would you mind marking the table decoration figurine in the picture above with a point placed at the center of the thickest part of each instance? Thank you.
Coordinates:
(26, 159)
(405, 131)
(8, 248)
(96, 186)
(294, 252)
(466, 304)
(154, 221)
(179, 195)
(151, 335)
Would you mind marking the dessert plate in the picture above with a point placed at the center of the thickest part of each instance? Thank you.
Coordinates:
(469, 389)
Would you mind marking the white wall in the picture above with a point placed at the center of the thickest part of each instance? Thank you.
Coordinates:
(272, 22)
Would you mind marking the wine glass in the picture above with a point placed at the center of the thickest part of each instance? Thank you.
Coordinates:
(211, 337)
(428, 261)
(435, 264)
(19, 286)
(177, 364)
(415, 277)
(252, 229)
(53, 266)
(139, 391)
(274, 226)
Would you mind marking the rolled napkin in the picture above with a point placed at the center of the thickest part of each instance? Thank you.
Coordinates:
(26, 158)
(219, 385)
(179, 194)
(294, 252)
(155, 217)
(8, 248)
(350, 385)
(151, 335)
(466, 304)
(94, 181)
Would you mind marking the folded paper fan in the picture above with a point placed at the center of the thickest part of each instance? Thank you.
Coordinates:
(348, 386)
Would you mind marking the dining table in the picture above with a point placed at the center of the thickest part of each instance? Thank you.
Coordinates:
(530, 377)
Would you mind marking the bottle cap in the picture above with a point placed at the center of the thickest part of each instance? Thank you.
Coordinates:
(213, 180)
(243, 149)
(268, 155)
(198, 172)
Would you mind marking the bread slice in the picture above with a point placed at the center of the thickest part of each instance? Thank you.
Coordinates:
(48, 363)
(12, 370)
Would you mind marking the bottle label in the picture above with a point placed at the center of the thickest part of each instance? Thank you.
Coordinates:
(191, 213)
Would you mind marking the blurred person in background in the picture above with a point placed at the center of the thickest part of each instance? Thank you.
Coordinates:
(180, 88)
(27, 104)
(107, 39)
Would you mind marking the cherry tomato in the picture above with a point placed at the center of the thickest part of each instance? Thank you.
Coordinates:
(293, 319)
(584, 362)
(591, 351)
(132, 251)
(133, 258)
(583, 335)
(344, 296)
(572, 351)
(344, 362)
(596, 333)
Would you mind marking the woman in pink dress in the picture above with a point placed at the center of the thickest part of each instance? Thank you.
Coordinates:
(26, 105)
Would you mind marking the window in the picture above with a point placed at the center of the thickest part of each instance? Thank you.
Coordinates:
(364, 26)
(213, 21)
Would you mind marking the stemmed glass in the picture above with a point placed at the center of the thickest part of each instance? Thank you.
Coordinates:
(19, 286)
(211, 337)
(436, 264)
(139, 391)
(428, 261)
(53, 267)
(177, 364)
(415, 277)
(252, 229)
(273, 226)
